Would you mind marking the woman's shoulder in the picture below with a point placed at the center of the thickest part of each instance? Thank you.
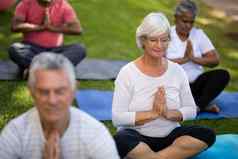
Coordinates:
(176, 71)
(127, 71)
(128, 67)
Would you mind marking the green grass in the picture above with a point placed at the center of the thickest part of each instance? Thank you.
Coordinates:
(109, 32)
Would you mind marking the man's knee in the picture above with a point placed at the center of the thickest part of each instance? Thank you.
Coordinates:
(12, 50)
(18, 49)
(225, 76)
(78, 48)
(21, 54)
(81, 49)
(75, 53)
(222, 75)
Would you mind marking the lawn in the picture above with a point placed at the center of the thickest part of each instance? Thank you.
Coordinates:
(109, 32)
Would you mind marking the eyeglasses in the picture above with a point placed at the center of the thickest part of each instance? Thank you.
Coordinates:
(161, 41)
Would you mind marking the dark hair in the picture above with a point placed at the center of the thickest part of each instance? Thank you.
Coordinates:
(185, 6)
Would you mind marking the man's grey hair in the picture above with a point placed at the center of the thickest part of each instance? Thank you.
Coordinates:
(185, 6)
(51, 61)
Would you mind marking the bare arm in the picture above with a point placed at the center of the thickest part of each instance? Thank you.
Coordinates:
(186, 58)
(72, 28)
(144, 117)
(180, 60)
(210, 59)
(174, 115)
(18, 25)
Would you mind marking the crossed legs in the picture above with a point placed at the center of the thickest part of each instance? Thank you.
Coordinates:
(23, 53)
(182, 148)
(183, 142)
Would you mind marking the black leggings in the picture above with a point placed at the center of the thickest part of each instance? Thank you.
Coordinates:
(208, 86)
(127, 139)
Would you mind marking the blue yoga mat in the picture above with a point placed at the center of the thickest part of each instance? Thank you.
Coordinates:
(228, 103)
(96, 103)
(225, 147)
(99, 103)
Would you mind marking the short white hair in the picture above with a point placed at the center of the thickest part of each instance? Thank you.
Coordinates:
(51, 61)
(153, 24)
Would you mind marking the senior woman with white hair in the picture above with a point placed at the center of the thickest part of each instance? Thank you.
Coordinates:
(151, 97)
